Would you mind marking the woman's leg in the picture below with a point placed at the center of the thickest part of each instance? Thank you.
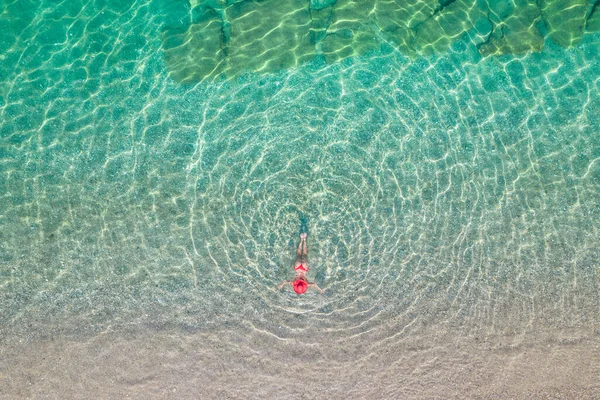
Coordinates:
(301, 257)
(299, 254)
(304, 258)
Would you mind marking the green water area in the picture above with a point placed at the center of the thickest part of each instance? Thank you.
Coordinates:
(159, 160)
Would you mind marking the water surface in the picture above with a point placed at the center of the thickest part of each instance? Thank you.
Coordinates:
(157, 161)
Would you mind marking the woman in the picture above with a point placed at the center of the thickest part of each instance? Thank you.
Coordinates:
(300, 284)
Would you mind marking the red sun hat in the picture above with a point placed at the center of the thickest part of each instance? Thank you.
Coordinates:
(300, 286)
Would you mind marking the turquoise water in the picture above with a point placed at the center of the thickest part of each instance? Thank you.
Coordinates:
(442, 189)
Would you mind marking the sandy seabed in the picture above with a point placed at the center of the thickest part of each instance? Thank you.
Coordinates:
(228, 365)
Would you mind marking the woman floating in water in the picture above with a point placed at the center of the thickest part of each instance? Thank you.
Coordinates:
(300, 284)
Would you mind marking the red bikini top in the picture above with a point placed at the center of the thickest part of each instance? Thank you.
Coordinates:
(301, 268)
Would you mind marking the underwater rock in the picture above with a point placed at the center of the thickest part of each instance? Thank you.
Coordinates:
(392, 14)
(317, 5)
(350, 32)
(357, 27)
(196, 53)
(396, 20)
(593, 23)
(446, 26)
(401, 39)
(516, 33)
(565, 20)
(348, 43)
(231, 37)
(320, 20)
(499, 10)
(268, 35)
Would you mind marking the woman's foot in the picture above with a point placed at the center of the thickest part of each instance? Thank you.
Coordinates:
(303, 235)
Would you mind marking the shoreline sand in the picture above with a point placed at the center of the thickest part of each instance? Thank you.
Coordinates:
(165, 365)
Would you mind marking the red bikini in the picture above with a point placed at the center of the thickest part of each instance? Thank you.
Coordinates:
(300, 267)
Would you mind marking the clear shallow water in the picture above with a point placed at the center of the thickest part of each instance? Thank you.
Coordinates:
(450, 198)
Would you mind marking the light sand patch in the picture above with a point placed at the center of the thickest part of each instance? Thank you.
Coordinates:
(235, 365)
